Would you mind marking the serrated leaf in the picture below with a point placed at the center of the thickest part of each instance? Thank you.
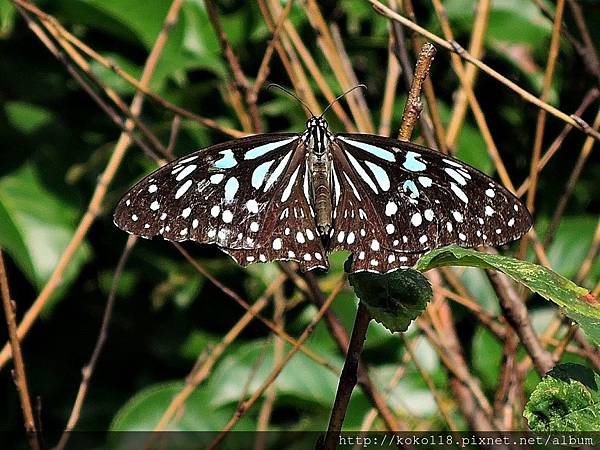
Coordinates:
(394, 299)
(577, 302)
(567, 399)
(35, 227)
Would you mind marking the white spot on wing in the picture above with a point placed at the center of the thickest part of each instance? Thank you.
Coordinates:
(183, 189)
(185, 172)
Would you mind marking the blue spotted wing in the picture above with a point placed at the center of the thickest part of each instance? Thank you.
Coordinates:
(397, 200)
(248, 196)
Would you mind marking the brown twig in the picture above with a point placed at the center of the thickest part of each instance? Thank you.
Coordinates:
(348, 378)
(414, 105)
(589, 98)
(403, 58)
(459, 111)
(88, 369)
(517, 316)
(389, 95)
(19, 373)
(586, 150)
(101, 188)
(592, 253)
(589, 54)
(454, 47)
(541, 118)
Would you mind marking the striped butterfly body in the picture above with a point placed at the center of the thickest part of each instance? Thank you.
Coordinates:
(301, 196)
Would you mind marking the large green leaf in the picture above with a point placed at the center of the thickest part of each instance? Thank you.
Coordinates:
(567, 399)
(36, 226)
(577, 302)
(394, 299)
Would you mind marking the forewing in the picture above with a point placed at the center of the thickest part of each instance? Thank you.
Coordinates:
(407, 199)
(240, 195)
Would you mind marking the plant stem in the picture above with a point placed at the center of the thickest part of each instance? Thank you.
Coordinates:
(348, 378)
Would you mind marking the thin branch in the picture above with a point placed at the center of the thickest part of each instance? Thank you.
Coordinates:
(89, 368)
(454, 47)
(348, 378)
(541, 118)
(414, 105)
(586, 150)
(459, 110)
(517, 316)
(19, 373)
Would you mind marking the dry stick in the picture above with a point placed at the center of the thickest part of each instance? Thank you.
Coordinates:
(200, 372)
(473, 102)
(100, 190)
(19, 373)
(107, 63)
(517, 316)
(240, 301)
(314, 70)
(454, 47)
(348, 378)
(356, 101)
(250, 118)
(486, 318)
(589, 98)
(541, 118)
(263, 70)
(588, 262)
(88, 369)
(591, 352)
(266, 408)
(401, 53)
(297, 76)
(432, 104)
(414, 105)
(471, 401)
(459, 110)
(586, 150)
(389, 94)
(245, 406)
(590, 56)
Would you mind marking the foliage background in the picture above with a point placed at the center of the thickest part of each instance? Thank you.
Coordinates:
(56, 142)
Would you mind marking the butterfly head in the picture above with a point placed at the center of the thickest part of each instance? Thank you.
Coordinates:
(316, 122)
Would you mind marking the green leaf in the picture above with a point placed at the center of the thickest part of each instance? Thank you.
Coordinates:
(26, 117)
(577, 302)
(35, 227)
(567, 399)
(7, 17)
(394, 299)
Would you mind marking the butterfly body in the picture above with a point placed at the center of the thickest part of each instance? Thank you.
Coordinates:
(287, 196)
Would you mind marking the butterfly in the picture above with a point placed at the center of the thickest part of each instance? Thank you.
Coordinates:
(301, 196)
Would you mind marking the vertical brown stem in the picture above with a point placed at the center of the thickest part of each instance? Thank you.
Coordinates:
(348, 378)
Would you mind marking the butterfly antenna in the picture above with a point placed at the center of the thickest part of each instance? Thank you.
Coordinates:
(342, 95)
(291, 94)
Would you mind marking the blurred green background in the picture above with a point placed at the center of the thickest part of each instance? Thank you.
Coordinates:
(55, 142)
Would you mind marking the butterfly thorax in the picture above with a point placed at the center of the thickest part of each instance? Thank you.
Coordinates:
(318, 140)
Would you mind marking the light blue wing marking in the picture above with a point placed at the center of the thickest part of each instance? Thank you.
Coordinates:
(257, 152)
(373, 150)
